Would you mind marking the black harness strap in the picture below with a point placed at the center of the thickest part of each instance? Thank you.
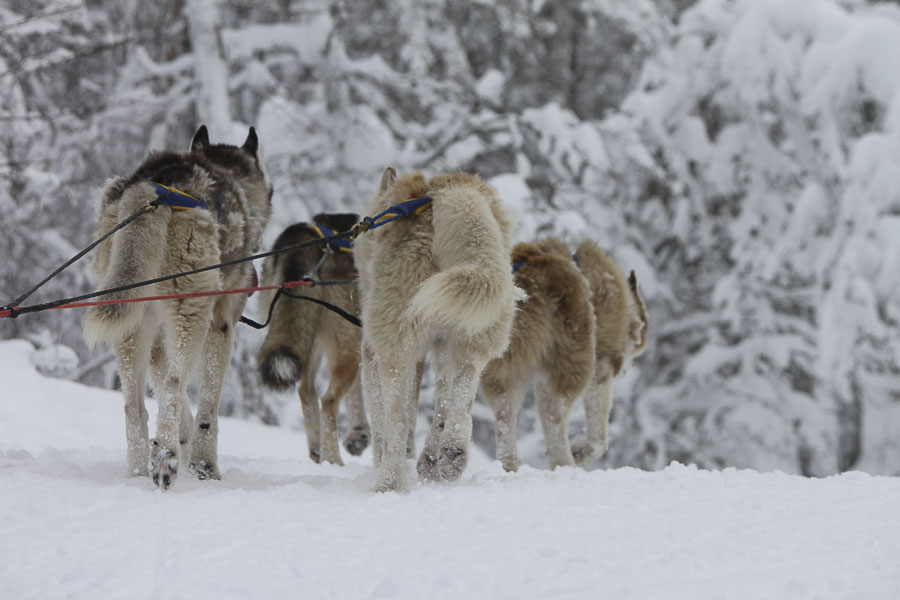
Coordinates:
(282, 292)
(141, 211)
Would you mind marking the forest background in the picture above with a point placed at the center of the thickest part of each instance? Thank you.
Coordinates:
(740, 155)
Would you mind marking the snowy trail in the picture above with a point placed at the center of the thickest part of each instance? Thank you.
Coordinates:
(278, 526)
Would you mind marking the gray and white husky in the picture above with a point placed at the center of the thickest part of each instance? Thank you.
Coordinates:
(176, 337)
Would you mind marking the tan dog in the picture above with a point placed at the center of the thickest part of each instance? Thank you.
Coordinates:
(302, 333)
(175, 337)
(622, 324)
(440, 279)
(552, 345)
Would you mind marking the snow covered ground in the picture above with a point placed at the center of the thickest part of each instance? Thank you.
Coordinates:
(72, 525)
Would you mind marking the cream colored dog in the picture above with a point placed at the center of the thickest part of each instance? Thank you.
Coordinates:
(552, 345)
(440, 279)
(622, 324)
(302, 333)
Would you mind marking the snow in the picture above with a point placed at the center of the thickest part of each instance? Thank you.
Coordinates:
(213, 106)
(278, 525)
(490, 86)
(368, 144)
(306, 39)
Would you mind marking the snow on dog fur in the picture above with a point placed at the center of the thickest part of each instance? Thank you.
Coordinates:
(176, 337)
(552, 345)
(302, 333)
(442, 280)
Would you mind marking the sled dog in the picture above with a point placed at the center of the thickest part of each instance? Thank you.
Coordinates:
(438, 280)
(176, 337)
(551, 345)
(621, 327)
(302, 333)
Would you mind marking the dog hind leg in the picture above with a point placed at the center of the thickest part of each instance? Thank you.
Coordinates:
(597, 404)
(132, 355)
(397, 378)
(371, 380)
(205, 435)
(185, 333)
(158, 368)
(357, 439)
(446, 450)
(506, 406)
(343, 375)
(553, 410)
(412, 411)
(309, 403)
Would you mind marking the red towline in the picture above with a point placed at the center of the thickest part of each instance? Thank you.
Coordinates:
(288, 285)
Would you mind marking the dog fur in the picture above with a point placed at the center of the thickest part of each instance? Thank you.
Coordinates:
(175, 337)
(621, 329)
(442, 280)
(552, 345)
(302, 333)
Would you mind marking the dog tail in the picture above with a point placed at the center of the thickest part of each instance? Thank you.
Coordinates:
(279, 365)
(471, 244)
(135, 254)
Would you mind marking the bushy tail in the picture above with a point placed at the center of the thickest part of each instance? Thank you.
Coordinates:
(279, 365)
(135, 254)
(475, 286)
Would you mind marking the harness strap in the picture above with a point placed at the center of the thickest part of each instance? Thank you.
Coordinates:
(518, 265)
(337, 244)
(416, 206)
(283, 291)
(176, 199)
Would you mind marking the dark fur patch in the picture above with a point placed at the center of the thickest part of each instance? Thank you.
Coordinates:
(299, 262)
(618, 361)
(232, 158)
(166, 167)
(337, 221)
(280, 379)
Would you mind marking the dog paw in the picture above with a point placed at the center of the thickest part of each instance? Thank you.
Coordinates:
(452, 463)
(138, 465)
(427, 467)
(585, 452)
(357, 441)
(392, 480)
(510, 466)
(204, 469)
(163, 465)
(316, 455)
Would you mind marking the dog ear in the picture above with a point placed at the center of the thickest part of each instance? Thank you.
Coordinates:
(251, 144)
(632, 281)
(387, 178)
(200, 139)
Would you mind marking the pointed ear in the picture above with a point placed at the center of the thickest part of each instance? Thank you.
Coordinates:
(201, 139)
(632, 281)
(387, 178)
(251, 144)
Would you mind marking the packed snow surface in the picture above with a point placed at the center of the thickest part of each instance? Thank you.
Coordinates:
(73, 525)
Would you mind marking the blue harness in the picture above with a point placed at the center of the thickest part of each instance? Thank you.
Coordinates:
(416, 206)
(176, 199)
(339, 244)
